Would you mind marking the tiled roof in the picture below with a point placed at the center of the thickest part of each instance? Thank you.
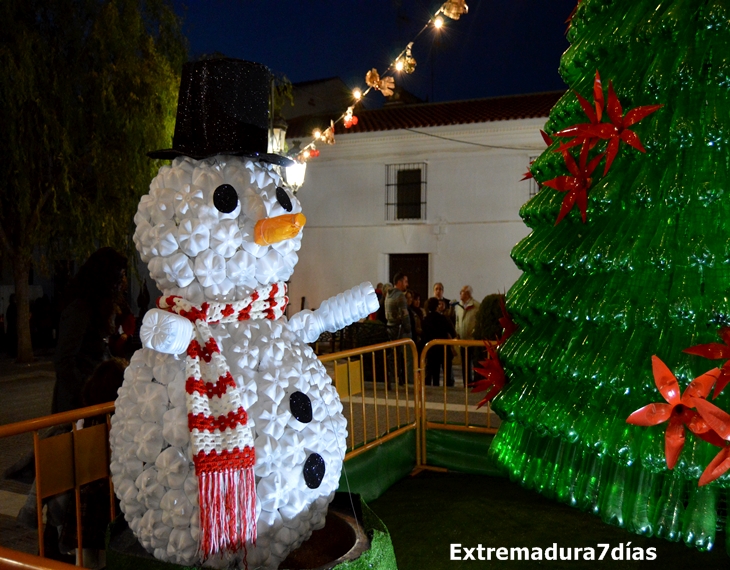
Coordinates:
(392, 117)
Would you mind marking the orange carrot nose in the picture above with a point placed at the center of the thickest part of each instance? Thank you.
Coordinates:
(278, 228)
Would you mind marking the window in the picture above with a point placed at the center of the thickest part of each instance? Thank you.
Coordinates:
(534, 188)
(405, 191)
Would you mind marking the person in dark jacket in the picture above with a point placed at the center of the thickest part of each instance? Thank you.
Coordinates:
(437, 326)
(94, 300)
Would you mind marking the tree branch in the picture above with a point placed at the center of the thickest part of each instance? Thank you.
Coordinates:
(5, 241)
(37, 213)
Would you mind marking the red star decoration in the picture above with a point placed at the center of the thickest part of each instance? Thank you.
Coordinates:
(594, 118)
(716, 351)
(493, 373)
(719, 421)
(615, 131)
(577, 185)
(678, 409)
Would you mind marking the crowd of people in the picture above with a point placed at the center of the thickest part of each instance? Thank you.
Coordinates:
(401, 310)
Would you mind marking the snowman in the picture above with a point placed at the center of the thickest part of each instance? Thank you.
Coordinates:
(228, 437)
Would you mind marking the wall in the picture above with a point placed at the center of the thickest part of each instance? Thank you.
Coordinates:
(473, 198)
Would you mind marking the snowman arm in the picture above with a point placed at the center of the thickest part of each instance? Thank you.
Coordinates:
(166, 332)
(336, 312)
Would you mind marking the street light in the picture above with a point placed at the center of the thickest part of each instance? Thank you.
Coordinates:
(294, 175)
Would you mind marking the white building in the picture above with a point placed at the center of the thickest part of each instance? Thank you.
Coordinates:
(432, 188)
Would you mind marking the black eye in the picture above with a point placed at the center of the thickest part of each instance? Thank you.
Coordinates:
(301, 407)
(314, 470)
(225, 198)
(283, 199)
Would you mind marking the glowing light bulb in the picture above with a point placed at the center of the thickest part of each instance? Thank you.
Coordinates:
(357, 94)
(438, 22)
(399, 65)
(306, 154)
(317, 134)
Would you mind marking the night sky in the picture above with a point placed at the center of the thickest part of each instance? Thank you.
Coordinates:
(501, 47)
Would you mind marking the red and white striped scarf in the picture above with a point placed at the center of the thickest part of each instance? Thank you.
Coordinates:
(220, 432)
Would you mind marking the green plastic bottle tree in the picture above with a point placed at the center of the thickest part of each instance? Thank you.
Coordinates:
(626, 267)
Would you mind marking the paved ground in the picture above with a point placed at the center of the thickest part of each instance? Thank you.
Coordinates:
(25, 393)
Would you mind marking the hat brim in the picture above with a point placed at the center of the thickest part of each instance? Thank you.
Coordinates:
(172, 154)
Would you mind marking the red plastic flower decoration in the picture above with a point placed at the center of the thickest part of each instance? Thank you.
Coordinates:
(716, 351)
(493, 373)
(614, 131)
(719, 421)
(678, 409)
(506, 322)
(594, 118)
(575, 186)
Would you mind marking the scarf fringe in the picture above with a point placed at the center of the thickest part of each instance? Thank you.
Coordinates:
(227, 502)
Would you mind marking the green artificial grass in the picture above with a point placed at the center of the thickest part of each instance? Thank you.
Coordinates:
(428, 512)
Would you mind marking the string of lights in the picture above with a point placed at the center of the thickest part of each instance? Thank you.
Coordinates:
(385, 82)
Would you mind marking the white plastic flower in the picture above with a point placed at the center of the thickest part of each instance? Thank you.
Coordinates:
(177, 395)
(182, 548)
(172, 468)
(178, 176)
(143, 209)
(274, 385)
(247, 234)
(176, 508)
(175, 426)
(210, 268)
(206, 177)
(179, 269)
(154, 403)
(127, 492)
(223, 291)
(187, 201)
(166, 369)
(272, 492)
(150, 491)
(149, 442)
(252, 205)
(225, 238)
(193, 237)
(267, 455)
(292, 446)
(271, 268)
(273, 421)
(161, 205)
(156, 267)
(241, 268)
(163, 238)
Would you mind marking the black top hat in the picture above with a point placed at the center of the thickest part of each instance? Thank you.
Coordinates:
(223, 108)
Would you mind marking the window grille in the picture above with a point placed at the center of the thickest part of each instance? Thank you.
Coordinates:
(405, 191)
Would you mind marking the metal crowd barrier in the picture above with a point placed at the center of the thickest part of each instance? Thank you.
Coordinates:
(383, 396)
(452, 408)
(68, 461)
(378, 387)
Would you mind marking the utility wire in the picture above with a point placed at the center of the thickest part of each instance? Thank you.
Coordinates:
(473, 143)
